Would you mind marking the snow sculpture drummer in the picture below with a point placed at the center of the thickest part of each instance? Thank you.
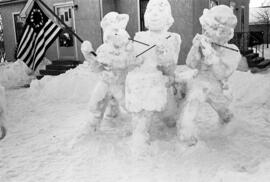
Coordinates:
(112, 60)
(147, 85)
(215, 64)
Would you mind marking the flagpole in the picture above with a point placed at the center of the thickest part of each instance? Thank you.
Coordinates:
(61, 21)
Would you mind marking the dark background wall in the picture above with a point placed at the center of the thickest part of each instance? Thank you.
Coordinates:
(129, 7)
(182, 11)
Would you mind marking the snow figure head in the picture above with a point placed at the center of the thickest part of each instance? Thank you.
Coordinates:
(114, 25)
(158, 16)
(218, 23)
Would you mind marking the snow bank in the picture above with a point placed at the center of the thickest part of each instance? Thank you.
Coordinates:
(15, 74)
(75, 85)
(41, 144)
(250, 89)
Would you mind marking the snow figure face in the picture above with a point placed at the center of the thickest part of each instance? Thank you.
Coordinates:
(218, 24)
(113, 25)
(158, 15)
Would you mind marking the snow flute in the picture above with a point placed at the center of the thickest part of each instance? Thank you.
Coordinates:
(65, 25)
(150, 48)
(225, 47)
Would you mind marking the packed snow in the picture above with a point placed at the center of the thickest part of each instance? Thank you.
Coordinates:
(44, 141)
(14, 74)
(75, 85)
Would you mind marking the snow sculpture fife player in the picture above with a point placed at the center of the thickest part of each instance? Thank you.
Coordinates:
(2, 113)
(215, 64)
(113, 59)
(148, 85)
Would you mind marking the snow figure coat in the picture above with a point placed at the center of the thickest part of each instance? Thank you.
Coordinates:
(214, 65)
(146, 86)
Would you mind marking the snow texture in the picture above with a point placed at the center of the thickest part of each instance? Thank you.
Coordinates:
(42, 143)
(14, 75)
(145, 89)
(75, 85)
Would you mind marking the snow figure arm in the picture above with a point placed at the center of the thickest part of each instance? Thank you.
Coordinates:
(194, 56)
(104, 58)
(139, 48)
(86, 49)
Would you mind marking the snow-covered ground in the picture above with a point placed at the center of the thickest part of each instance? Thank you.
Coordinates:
(44, 141)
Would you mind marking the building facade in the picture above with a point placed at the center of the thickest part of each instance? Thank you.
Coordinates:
(84, 17)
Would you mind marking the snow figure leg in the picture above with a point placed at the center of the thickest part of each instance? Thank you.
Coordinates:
(98, 104)
(171, 113)
(110, 113)
(2, 113)
(140, 138)
(220, 103)
(3, 130)
(187, 130)
(112, 109)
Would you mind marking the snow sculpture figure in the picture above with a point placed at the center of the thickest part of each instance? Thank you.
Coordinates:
(148, 85)
(113, 58)
(2, 113)
(215, 64)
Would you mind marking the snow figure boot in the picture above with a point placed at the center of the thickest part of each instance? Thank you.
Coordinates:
(96, 114)
(3, 132)
(186, 128)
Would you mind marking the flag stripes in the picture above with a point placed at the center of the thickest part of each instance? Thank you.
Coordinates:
(36, 39)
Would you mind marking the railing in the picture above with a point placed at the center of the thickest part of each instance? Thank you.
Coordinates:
(249, 40)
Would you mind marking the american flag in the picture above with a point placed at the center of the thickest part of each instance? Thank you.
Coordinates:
(39, 33)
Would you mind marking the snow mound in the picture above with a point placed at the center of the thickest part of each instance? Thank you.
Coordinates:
(250, 89)
(75, 85)
(15, 74)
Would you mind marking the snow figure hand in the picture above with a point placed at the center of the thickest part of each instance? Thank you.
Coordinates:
(205, 46)
(86, 47)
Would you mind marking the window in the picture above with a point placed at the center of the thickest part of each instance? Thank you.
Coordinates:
(143, 4)
(66, 39)
(18, 26)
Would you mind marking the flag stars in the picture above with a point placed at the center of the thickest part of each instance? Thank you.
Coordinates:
(36, 18)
